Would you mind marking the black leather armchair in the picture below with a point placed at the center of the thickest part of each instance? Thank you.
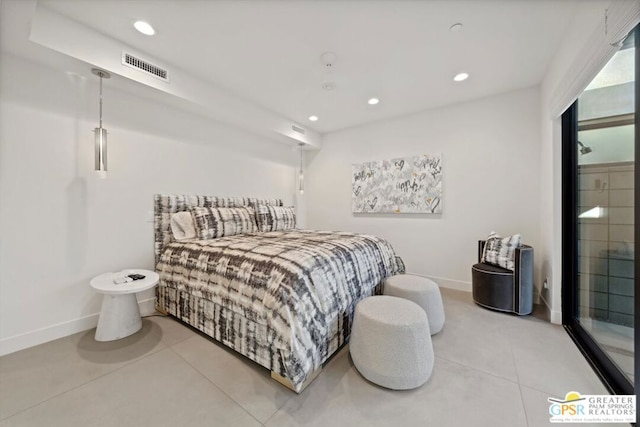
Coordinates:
(500, 289)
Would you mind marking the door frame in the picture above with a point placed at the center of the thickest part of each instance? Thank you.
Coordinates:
(615, 381)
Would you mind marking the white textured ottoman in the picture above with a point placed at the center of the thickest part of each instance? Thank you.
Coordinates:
(422, 291)
(390, 342)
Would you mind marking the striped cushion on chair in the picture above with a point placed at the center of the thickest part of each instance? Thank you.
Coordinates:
(501, 251)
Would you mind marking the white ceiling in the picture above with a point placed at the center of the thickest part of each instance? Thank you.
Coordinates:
(268, 52)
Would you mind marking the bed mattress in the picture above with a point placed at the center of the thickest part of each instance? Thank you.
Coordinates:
(291, 292)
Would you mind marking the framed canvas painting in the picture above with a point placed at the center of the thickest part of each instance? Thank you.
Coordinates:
(402, 185)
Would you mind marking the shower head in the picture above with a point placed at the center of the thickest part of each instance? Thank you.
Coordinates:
(584, 149)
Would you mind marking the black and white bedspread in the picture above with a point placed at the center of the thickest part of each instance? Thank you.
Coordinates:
(297, 282)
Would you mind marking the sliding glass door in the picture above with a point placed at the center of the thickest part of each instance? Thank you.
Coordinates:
(599, 210)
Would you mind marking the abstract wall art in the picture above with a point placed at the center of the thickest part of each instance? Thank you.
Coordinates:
(403, 185)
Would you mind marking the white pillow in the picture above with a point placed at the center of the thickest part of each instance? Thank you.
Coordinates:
(182, 226)
(501, 251)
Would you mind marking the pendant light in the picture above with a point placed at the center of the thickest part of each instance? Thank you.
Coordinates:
(101, 133)
(301, 175)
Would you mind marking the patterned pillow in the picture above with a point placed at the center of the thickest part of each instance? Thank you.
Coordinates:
(275, 218)
(501, 251)
(212, 223)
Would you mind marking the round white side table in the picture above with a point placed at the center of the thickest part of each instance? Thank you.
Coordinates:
(120, 316)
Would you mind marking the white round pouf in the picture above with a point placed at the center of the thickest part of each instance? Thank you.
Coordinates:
(422, 291)
(390, 343)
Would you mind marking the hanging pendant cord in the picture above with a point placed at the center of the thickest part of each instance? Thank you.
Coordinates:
(100, 100)
(300, 157)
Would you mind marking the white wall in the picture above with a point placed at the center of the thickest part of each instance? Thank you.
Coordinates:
(60, 225)
(490, 151)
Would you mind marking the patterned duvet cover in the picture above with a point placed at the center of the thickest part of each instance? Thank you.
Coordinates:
(298, 283)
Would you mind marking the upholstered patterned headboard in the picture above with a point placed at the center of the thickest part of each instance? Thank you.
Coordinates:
(166, 205)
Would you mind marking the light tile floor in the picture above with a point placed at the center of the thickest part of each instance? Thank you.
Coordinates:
(491, 369)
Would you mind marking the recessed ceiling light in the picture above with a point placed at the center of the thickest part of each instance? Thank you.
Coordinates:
(313, 118)
(373, 101)
(460, 77)
(455, 27)
(144, 28)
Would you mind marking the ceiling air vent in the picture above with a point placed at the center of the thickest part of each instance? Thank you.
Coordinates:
(145, 66)
(297, 129)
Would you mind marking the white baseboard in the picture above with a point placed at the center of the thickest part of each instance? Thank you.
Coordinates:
(46, 334)
(61, 330)
(555, 316)
(458, 285)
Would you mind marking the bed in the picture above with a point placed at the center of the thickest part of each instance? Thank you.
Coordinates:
(284, 299)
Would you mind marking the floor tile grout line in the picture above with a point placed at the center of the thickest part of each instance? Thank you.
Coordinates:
(476, 369)
(273, 415)
(192, 330)
(214, 384)
(297, 394)
(207, 337)
(86, 382)
(278, 410)
(515, 347)
(542, 391)
(515, 365)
